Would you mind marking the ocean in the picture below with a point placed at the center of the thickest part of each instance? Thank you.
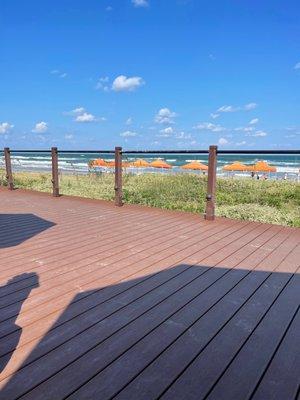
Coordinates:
(287, 165)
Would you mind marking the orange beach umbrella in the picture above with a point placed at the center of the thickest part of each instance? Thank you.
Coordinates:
(160, 164)
(140, 163)
(195, 165)
(263, 166)
(237, 166)
(99, 162)
(112, 164)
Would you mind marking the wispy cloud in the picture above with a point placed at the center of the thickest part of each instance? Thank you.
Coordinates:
(40, 127)
(297, 66)
(5, 127)
(226, 109)
(222, 141)
(128, 134)
(102, 84)
(230, 109)
(76, 111)
(124, 84)
(208, 126)
(258, 134)
(249, 106)
(253, 121)
(183, 135)
(241, 143)
(244, 129)
(140, 3)
(214, 116)
(165, 116)
(60, 74)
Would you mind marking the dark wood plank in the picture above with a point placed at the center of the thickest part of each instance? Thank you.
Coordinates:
(204, 362)
(243, 374)
(159, 374)
(281, 380)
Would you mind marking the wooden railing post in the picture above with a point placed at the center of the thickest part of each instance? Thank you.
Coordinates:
(55, 181)
(118, 177)
(9, 175)
(211, 183)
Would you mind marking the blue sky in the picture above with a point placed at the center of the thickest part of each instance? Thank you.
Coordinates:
(150, 74)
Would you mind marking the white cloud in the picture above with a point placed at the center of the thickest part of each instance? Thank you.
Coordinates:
(222, 141)
(297, 66)
(214, 116)
(290, 136)
(241, 143)
(5, 127)
(250, 106)
(208, 126)
(253, 121)
(226, 109)
(77, 111)
(69, 136)
(59, 73)
(128, 121)
(165, 116)
(244, 129)
(40, 127)
(128, 134)
(258, 134)
(85, 117)
(183, 135)
(140, 3)
(166, 132)
(81, 115)
(124, 84)
(246, 107)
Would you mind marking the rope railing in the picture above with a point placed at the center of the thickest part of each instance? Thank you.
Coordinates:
(253, 152)
(212, 153)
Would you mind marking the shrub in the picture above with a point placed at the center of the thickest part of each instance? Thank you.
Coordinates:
(256, 212)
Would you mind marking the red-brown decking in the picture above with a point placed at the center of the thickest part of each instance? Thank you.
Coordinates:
(100, 302)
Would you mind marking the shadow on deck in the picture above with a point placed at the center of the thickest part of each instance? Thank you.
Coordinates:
(17, 228)
(187, 332)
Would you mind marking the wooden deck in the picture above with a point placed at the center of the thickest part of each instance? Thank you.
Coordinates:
(99, 302)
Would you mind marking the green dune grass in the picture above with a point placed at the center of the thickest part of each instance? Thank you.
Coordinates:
(276, 202)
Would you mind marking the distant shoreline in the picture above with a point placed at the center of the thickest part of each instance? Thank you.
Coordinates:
(156, 171)
(77, 163)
